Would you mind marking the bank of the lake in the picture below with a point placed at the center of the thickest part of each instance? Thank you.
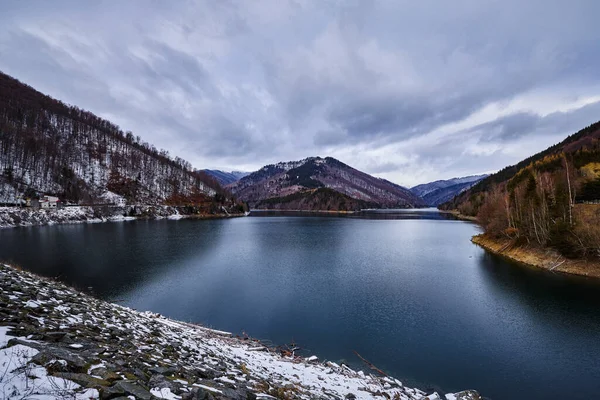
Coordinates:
(532, 256)
(58, 343)
(11, 217)
(458, 215)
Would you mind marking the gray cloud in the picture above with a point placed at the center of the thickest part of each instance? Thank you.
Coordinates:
(512, 127)
(399, 88)
(487, 147)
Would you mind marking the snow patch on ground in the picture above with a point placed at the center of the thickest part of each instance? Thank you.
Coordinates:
(113, 198)
(164, 393)
(21, 379)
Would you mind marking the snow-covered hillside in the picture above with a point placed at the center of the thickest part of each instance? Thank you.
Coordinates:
(50, 147)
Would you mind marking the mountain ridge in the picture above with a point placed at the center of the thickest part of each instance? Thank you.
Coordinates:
(225, 177)
(280, 180)
(439, 191)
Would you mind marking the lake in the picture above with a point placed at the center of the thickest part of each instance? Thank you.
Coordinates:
(411, 294)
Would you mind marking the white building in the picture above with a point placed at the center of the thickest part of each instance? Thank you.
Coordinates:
(49, 202)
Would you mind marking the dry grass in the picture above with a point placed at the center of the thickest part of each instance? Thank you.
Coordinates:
(587, 229)
(587, 212)
(244, 369)
(538, 257)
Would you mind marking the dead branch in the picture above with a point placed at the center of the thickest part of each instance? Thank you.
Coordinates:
(560, 263)
(370, 365)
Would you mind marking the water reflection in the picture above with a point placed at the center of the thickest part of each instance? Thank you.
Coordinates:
(400, 213)
(108, 258)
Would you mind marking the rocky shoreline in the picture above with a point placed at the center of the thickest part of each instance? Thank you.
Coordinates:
(56, 342)
(11, 217)
(531, 256)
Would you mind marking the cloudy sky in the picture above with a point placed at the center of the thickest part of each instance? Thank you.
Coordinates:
(410, 91)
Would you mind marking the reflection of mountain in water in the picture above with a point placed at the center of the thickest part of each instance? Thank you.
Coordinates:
(411, 213)
(414, 213)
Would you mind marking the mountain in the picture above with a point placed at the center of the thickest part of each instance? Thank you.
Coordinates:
(551, 199)
(317, 183)
(438, 192)
(49, 147)
(225, 178)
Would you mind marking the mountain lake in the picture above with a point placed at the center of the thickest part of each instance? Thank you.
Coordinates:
(407, 290)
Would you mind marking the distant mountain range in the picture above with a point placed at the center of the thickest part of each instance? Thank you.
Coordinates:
(224, 177)
(438, 192)
(317, 183)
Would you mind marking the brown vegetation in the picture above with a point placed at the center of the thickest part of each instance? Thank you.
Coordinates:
(535, 256)
(322, 199)
(550, 202)
(537, 206)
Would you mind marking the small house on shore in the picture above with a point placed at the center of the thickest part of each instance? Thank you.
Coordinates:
(48, 202)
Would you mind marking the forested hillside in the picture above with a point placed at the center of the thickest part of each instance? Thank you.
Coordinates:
(322, 199)
(550, 199)
(284, 184)
(49, 147)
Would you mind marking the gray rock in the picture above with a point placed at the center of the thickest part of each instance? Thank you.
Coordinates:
(68, 339)
(159, 381)
(14, 342)
(468, 395)
(131, 388)
(237, 394)
(54, 366)
(207, 374)
(141, 375)
(111, 392)
(105, 374)
(167, 371)
(198, 394)
(84, 380)
(75, 363)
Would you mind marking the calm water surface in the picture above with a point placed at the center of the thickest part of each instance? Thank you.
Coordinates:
(412, 295)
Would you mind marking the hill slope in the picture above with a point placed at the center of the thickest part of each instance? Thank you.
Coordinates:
(545, 199)
(225, 178)
(584, 141)
(49, 147)
(309, 176)
(438, 192)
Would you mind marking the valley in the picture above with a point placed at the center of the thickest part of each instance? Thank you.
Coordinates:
(327, 255)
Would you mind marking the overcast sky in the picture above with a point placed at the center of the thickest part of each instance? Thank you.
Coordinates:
(411, 91)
